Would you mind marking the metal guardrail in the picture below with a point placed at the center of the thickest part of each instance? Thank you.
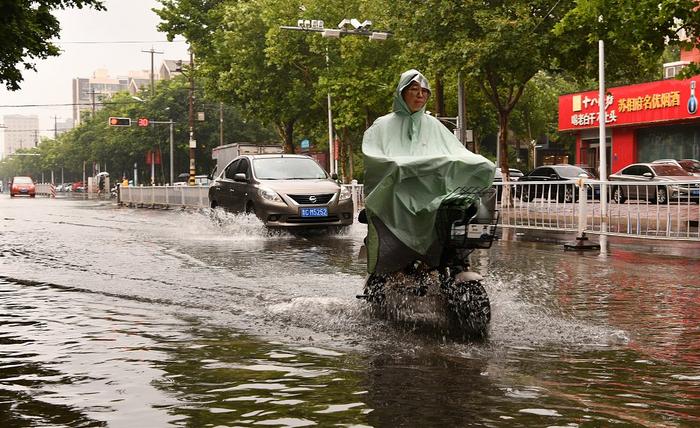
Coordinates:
(190, 196)
(164, 196)
(646, 217)
(583, 212)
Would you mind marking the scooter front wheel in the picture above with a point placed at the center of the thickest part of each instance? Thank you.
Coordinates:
(468, 309)
(375, 293)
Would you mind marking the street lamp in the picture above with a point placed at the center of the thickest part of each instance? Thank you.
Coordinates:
(347, 27)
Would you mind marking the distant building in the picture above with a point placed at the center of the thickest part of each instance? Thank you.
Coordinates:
(20, 132)
(171, 68)
(61, 126)
(89, 93)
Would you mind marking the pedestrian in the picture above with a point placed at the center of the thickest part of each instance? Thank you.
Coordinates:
(101, 186)
(412, 162)
(125, 181)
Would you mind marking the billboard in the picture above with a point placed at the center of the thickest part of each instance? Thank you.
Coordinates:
(645, 103)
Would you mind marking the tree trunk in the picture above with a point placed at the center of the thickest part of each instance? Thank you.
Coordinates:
(287, 131)
(439, 94)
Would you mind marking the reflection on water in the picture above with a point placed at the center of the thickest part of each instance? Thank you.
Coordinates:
(116, 317)
(84, 359)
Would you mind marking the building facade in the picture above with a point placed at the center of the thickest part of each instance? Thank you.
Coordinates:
(20, 132)
(644, 122)
(90, 93)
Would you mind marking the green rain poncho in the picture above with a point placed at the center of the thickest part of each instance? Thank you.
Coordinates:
(412, 162)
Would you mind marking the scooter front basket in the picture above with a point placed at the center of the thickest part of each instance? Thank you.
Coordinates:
(468, 218)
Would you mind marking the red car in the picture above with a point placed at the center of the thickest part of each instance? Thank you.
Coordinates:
(22, 186)
(77, 187)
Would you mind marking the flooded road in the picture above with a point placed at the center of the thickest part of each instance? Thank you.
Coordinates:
(133, 317)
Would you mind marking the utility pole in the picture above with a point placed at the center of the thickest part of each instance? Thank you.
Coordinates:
(193, 142)
(55, 127)
(153, 85)
(461, 122)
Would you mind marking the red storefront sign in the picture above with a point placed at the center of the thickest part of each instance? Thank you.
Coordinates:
(153, 156)
(660, 101)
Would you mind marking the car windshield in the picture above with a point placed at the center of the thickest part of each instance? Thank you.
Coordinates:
(23, 180)
(669, 170)
(572, 172)
(287, 168)
(690, 165)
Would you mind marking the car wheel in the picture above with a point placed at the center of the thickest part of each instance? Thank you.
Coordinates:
(661, 196)
(250, 208)
(213, 204)
(525, 195)
(567, 195)
(617, 196)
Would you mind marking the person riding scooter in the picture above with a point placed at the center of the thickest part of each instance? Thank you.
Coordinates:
(412, 162)
(421, 184)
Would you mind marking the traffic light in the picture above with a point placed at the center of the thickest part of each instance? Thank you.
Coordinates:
(119, 121)
(142, 121)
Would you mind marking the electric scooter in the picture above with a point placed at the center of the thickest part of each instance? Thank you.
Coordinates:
(466, 220)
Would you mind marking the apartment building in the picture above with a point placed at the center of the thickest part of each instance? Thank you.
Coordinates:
(20, 132)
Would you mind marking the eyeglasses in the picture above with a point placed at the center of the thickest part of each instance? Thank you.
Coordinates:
(415, 90)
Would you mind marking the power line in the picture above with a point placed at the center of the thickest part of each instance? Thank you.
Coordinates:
(88, 104)
(34, 130)
(107, 42)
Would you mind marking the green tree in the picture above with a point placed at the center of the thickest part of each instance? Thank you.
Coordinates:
(27, 28)
(501, 45)
(116, 149)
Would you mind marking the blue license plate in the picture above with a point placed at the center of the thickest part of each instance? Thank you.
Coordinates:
(314, 212)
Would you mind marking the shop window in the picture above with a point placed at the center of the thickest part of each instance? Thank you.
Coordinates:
(668, 142)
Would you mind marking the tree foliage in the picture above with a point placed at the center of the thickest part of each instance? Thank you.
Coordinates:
(27, 28)
(117, 149)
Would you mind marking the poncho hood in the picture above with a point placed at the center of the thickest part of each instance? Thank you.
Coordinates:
(407, 77)
(412, 162)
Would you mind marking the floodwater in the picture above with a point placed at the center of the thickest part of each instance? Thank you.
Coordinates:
(133, 317)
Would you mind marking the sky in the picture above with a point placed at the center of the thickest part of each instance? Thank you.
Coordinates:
(88, 43)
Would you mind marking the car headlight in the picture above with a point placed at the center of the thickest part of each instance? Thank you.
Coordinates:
(345, 193)
(269, 194)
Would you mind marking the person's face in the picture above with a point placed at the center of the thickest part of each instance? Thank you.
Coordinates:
(415, 96)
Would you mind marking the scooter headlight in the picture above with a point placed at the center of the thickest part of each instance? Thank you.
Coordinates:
(345, 193)
(269, 194)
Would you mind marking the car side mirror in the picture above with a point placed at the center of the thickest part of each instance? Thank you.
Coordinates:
(553, 177)
(583, 175)
(334, 176)
(648, 175)
(240, 177)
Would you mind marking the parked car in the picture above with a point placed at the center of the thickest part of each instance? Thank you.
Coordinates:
(647, 175)
(22, 185)
(199, 180)
(78, 186)
(513, 174)
(690, 165)
(283, 190)
(554, 173)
